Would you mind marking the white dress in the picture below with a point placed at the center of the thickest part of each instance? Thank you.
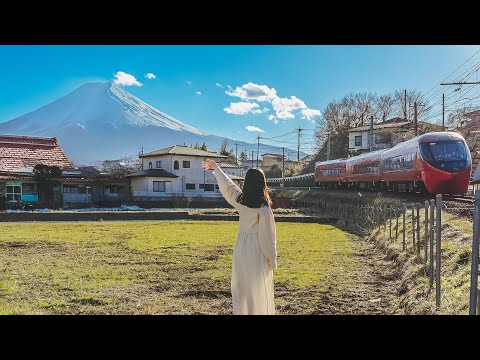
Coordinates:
(254, 254)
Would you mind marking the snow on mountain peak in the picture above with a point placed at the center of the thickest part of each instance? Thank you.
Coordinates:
(96, 104)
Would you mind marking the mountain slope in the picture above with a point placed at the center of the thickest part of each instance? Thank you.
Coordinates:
(100, 121)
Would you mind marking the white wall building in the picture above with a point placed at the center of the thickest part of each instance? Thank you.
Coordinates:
(177, 170)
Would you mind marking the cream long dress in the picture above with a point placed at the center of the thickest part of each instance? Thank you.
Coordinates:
(254, 254)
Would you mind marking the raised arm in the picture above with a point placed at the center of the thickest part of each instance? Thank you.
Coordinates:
(228, 188)
(267, 236)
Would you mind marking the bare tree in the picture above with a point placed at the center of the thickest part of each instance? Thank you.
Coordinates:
(385, 106)
(423, 106)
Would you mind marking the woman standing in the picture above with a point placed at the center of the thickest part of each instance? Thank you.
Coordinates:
(255, 253)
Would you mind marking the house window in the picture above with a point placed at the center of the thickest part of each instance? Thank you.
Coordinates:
(358, 140)
(201, 186)
(379, 139)
(209, 187)
(159, 164)
(14, 193)
(159, 186)
(190, 186)
(175, 165)
(186, 164)
(150, 165)
(216, 187)
(29, 189)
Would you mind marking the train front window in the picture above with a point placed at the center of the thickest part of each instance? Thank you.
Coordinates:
(449, 156)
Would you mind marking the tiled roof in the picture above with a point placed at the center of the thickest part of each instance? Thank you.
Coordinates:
(183, 150)
(235, 177)
(273, 155)
(153, 173)
(22, 153)
(394, 124)
(382, 126)
(228, 165)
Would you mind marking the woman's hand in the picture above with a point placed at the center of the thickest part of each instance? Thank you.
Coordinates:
(209, 165)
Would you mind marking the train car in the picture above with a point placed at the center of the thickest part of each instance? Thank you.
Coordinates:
(401, 167)
(446, 163)
(437, 163)
(364, 171)
(330, 173)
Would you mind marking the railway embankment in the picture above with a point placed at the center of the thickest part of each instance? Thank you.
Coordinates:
(416, 292)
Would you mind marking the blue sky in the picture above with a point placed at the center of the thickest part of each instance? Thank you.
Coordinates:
(304, 78)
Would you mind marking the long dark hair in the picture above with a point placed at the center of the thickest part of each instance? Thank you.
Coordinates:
(255, 190)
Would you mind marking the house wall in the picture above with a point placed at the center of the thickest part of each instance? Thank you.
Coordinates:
(193, 175)
(351, 141)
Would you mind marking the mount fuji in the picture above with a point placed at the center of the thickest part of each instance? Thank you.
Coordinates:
(101, 121)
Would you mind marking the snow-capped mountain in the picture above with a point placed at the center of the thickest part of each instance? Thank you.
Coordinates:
(100, 121)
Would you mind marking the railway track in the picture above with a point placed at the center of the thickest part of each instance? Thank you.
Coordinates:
(458, 205)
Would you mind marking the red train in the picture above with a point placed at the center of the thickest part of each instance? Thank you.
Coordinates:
(435, 163)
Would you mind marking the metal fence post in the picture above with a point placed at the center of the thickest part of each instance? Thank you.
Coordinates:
(432, 237)
(418, 228)
(404, 225)
(396, 223)
(475, 249)
(384, 218)
(390, 219)
(438, 249)
(413, 227)
(426, 232)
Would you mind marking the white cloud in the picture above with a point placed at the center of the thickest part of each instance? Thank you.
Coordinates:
(125, 79)
(253, 128)
(309, 114)
(253, 91)
(189, 83)
(273, 118)
(258, 111)
(198, 92)
(284, 106)
(241, 108)
(150, 76)
(219, 85)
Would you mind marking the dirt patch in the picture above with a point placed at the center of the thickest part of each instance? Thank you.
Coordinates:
(372, 292)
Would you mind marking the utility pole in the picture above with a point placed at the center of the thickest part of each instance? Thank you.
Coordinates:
(328, 146)
(298, 149)
(406, 115)
(415, 117)
(443, 97)
(371, 133)
(252, 158)
(283, 166)
(236, 151)
(443, 112)
(258, 147)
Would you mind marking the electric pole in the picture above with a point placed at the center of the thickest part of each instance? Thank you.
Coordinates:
(236, 152)
(283, 166)
(415, 117)
(443, 112)
(252, 158)
(443, 97)
(371, 133)
(298, 149)
(406, 115)
(328, 146)
(258, 147)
